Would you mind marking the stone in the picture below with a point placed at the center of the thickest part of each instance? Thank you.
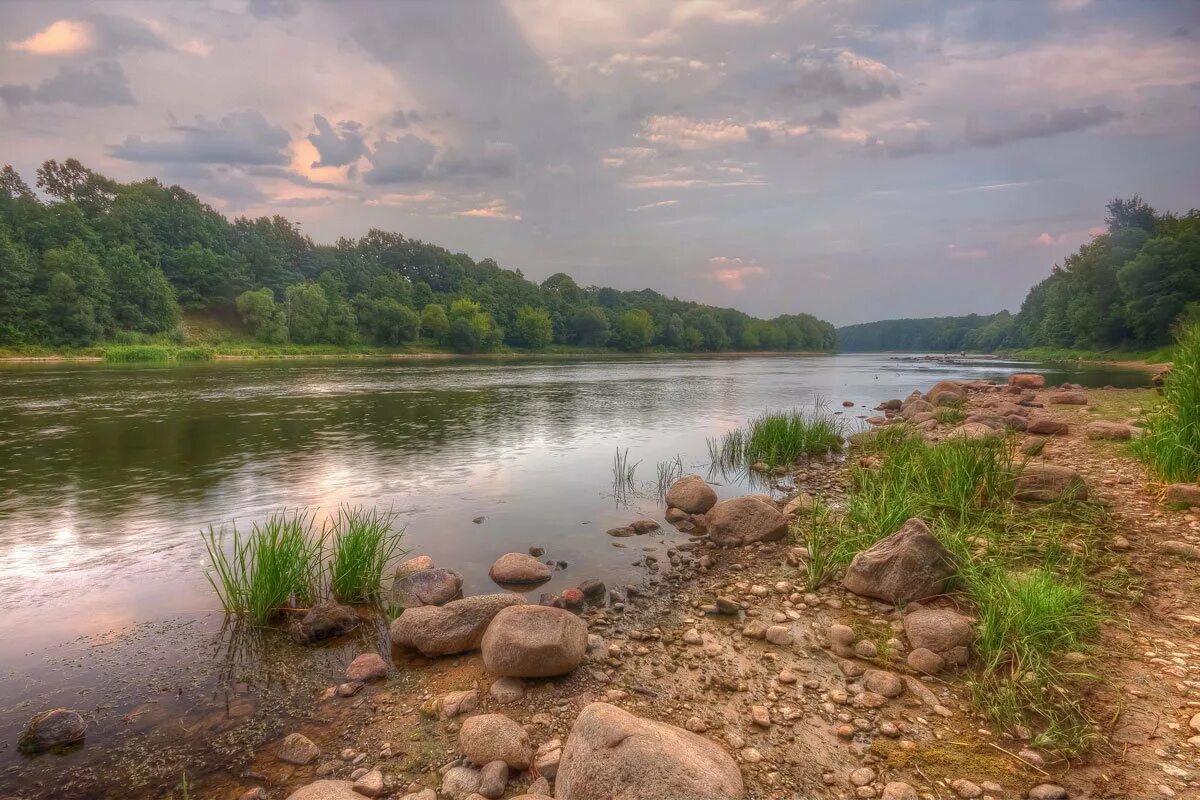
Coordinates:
(1182, 494)
(940, 630)
(326, 790)
(424, 794)
(1049, 483)
(760, 716)
(325, 621)
(841, 634)
(779, 635)
(611, 753)
(493, 778)
(367, 667)
(507, 690)
(1067, 399)
(947, 398)
(973, 430)
(862, 776)
(898, 790)
(800, 504)
(593, 589)
(518, 569)
(297, 749)
(426, 587)
(916, 407)
(1027, 380)
(1182, 549)
(883, 683)
(370, 785)
(925, 660)
(727, 605)
(495, 737)
(644, 526)
(534, 642)
(463, 702)
(911, 564)
(455, 627)
(52, 729)
(1047, 791)
(416, 564)
(1044, 426)
(548, 758)
(691, 494)
(1102, 429)
(744, 520)
(966, 789)
(460, 782)
(570, 598)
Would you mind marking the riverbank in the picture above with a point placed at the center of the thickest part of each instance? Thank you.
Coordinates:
(1139, 359)
(811, 689)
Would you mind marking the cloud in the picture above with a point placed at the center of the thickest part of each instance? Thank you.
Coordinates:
(400, 160)
(846, 79)
(99, 86)
(732, 272)
(339, 147)
(488, 160)
(966, 253)
(58, 38)
(242, 137)
(659, 204)
(496, 209)
(273, 9)
(672, 131)
(1038, 125)
(104, 35)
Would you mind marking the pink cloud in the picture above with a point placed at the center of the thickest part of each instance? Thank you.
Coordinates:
(732, 272)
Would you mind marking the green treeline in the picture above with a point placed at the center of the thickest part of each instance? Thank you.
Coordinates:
(1128, 288)
(103, 261)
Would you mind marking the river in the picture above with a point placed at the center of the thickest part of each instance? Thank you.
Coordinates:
(109, 473)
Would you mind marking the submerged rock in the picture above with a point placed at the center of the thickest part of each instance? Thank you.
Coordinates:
(57, 727)
(518, 568)
(744, 520)
(325, 621)
(612, 753)
(911, 564)
(691, 494)
(534, 642)
(455, 627)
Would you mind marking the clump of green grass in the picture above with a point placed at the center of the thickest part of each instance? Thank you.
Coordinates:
(135, 353)
(949, 415)
(624, 483)
(778, 439)
(261, 573)
(818, 531)
(362, 543)
(1171, 446)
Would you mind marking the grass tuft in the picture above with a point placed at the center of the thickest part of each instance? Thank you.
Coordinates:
(362, 543)
(778, 439)
(1171, 446)
(624, 483)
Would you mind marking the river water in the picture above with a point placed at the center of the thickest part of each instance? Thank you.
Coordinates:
(109, 473)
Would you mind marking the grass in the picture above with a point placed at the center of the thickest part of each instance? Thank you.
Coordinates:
(778, 439)
(949, 415)
(362, 543)
(668, 472)
(262, 573)
(1028, 573)
(1171, 445)
(623, 472)
(132, 353)
(1158, 356)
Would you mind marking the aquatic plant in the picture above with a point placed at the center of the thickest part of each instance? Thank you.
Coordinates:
(261, 573)
(778, 439)
(623, 476)
(361, 545)
(1171, 445)
(668, 472)
(135, 353)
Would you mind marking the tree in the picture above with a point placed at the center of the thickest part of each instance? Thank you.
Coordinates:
(589, 326)
(388, 322)
(77, 294)
(202, 276)
(266, 320)
(306, 307)
(533, 328)
(18, 315)
(142, 298)
(1160, 283)
(435, 325)
(1131, 213)
(635, 331)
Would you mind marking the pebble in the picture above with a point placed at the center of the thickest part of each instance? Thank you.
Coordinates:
(862, 776)
(966, 789)
(370, 784)
(897, 790)
(760, 716)
(1047, 791)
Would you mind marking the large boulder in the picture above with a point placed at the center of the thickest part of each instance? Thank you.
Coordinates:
(426, 587)
(1102, 429)
(1049, 483)
(1182, 494)
(915, 408)
(613, 754)
(908, 565)
(974, 430)
(1027, 380)
(744, 520)
(534, 642)
(494, 737)
(326, 790)
(1044, 426)
(519, 569)
(455, 627)
(943, 386)
(51, 729)
(325, 621)
(691, 494)
(414, 564)
(940, 630)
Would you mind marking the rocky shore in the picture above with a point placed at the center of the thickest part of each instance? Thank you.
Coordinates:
(724, 675)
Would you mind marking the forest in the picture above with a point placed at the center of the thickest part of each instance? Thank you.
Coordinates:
(89, 260)
(1129, 288)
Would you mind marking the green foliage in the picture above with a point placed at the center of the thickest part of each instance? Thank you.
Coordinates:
(386, 321)
(307, 306)
(934, 334)
(265, 320)
(778, 439)
(142, 299)
(1171, 445)
(635, 331)
(362, 543)
(589, 326)
(435, 325)
(77, 295)
(533, 328)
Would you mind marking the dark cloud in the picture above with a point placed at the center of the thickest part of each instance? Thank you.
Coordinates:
(98, 86)
(117, 34)
(243, 137)
(1038, 125)
(401, 160)
(273, 9)
(844, 80)
(488, 160)
(337, 147)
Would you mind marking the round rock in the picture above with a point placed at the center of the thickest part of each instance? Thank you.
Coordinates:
(518, 569)
(534, 642)
(57, 727)
(494, 737)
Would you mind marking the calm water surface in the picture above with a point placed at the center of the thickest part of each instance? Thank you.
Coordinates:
(107, 475)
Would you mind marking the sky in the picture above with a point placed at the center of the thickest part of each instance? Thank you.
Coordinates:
(853, 159)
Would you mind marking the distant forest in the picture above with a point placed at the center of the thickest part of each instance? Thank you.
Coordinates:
(1128, 288)
(102, 261)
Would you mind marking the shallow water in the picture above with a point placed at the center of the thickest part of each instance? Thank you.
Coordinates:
(107, 475)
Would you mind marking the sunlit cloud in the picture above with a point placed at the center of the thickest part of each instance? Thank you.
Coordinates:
(496, 209)
(966, 253)
(732, 272)
(59, 38)
(659, 204)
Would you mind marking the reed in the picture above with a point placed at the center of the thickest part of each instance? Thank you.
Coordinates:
(1171, 445)
(778, 439)
(624, 483)
(362, 543)
(668, 472)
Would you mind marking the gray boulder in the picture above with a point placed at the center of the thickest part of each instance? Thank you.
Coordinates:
(534, 642)
(48, 730)
(908, 565)
(455, 627)
(613, 754)
(426, 587)
(691, 494)
(744, 520)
